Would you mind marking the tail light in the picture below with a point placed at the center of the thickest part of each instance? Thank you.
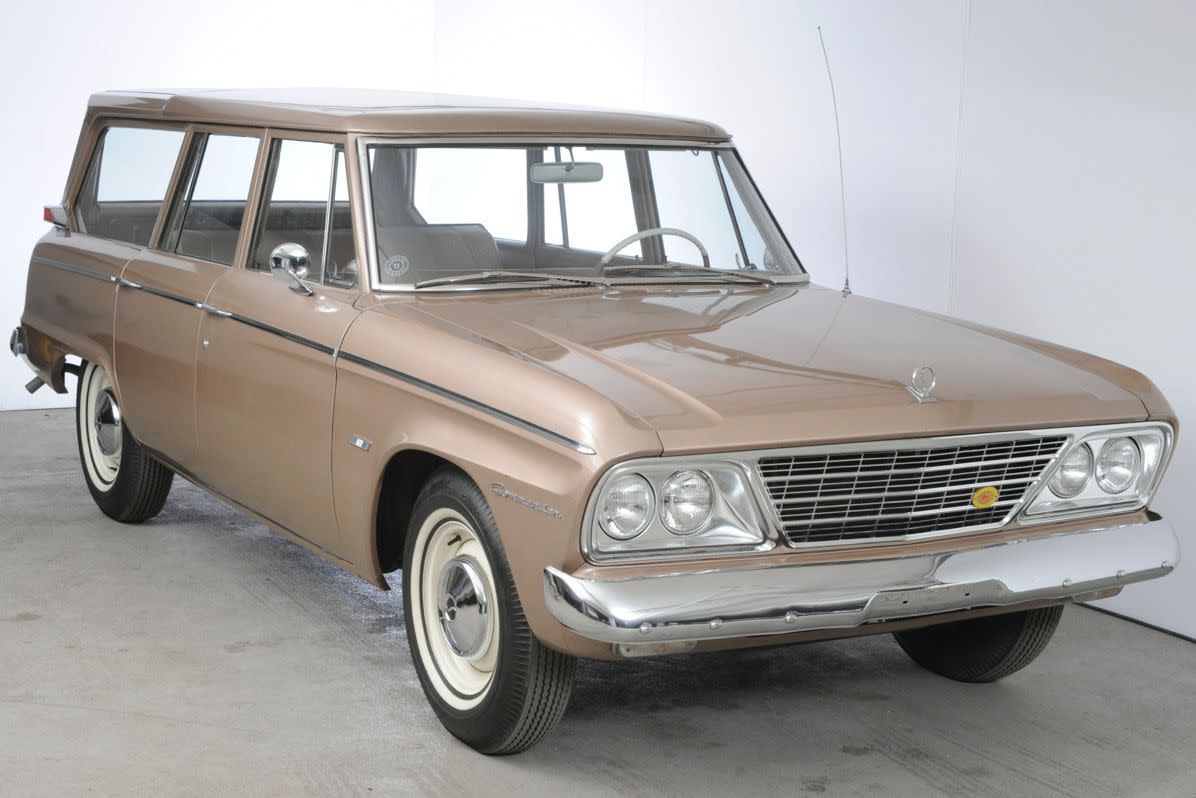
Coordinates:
(56, 215)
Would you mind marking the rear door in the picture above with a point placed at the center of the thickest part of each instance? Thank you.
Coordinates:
(266, 367)
(158, 309)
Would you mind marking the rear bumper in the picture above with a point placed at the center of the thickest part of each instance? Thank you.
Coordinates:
(692, 607)
(44, 356)
(16, 343)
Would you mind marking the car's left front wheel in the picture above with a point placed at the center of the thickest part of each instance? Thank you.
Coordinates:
(490, 681)
(125, 481)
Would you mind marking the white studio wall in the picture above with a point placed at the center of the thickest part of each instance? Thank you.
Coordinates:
(1026, 165)
(757, 69)
(54, 61)
(1076, 208)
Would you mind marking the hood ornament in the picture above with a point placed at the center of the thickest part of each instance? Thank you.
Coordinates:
(921, 384)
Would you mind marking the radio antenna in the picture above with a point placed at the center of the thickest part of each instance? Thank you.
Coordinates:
(842, 183)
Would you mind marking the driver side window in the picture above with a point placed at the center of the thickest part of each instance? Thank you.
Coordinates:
(307, 203)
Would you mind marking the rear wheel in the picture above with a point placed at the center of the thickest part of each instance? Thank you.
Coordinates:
(982, 649)
(124, 480)
(491, 682)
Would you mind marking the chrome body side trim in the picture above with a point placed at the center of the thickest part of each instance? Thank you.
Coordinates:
(228, 314)
(473, 404)
(777, 600)
(334, 352)
(281, 333)
(215, 311)
(70, 267)
(158, 292)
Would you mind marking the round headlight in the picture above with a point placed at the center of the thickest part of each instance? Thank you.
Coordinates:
(686, 502)
(1073, 473)
(1118, 465)
(626, 508)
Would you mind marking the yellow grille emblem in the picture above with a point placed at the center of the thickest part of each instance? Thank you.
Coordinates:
(985, 497)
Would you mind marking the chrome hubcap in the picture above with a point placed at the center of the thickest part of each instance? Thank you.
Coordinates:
(107, 423)
(464, 608)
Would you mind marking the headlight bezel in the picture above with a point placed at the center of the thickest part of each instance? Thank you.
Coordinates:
(737, 524)
(1041, 506)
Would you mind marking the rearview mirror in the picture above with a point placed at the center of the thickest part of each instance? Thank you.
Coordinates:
(566, 172)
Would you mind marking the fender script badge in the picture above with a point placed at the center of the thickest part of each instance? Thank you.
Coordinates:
(498, 489)
(921, 384)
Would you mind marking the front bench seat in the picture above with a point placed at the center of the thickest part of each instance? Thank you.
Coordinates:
(429, 248)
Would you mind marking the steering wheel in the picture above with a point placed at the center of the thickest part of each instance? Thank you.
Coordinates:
(653, 231)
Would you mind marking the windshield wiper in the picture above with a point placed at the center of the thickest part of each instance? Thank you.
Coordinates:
(501, 275)
(696, 271)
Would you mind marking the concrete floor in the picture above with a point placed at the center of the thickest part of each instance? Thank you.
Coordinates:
(198, 654)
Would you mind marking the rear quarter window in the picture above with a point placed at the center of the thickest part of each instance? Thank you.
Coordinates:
(126, 183)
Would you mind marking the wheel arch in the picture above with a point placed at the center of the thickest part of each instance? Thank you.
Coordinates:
(404, 475)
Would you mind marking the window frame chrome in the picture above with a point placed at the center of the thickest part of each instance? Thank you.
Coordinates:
(367, 200)
(774, 536)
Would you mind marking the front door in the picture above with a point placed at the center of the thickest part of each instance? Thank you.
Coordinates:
(265, 377)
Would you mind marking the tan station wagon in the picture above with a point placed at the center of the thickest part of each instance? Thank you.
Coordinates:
(563, 369)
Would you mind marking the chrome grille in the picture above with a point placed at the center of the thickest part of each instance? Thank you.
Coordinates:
(886, 493)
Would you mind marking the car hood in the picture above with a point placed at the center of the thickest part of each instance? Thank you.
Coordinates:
(733, 367)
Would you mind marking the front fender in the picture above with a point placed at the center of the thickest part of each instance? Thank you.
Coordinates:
(538, 509)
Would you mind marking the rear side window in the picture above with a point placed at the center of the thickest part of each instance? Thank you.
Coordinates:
(126, 183)
(205, 220)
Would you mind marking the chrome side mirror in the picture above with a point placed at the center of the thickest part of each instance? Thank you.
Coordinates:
(294, 260)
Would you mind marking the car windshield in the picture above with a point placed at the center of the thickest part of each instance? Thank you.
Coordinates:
(454, 216)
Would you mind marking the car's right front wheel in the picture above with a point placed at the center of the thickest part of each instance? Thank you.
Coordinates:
(491, 682)
(982, 649)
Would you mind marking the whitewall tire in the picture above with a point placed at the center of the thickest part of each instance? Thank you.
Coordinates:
(124, 480)
(491, 682)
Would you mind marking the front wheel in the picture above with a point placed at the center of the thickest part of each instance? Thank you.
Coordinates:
(982, 649)
(490, 681)
(124, 480)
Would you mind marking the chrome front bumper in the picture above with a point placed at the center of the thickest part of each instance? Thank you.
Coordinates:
(707, 605)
